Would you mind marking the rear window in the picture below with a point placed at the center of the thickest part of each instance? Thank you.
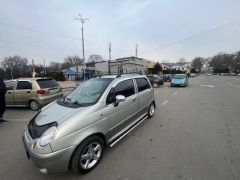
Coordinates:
(47, 83)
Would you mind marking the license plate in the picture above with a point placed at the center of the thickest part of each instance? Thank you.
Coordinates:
(53, 91)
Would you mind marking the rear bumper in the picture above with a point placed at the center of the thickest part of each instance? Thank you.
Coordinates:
(49, 99)
(51, 163)
(159, 82)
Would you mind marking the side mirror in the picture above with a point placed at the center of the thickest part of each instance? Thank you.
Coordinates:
(118, 99)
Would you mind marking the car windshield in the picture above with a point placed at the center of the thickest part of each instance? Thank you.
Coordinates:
(179, 76)
(89, 92)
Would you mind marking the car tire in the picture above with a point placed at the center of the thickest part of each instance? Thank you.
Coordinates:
(155, 85)
(85, 158)
(151, 110)
(34, 105)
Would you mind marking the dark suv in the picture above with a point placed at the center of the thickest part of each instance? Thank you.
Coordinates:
(155, 80)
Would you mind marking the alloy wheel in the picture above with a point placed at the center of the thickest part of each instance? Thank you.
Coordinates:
(91, 155)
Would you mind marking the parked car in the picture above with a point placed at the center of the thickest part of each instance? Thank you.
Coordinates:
(167, 77)
(179, 80)
(73, 131)
(33, 93)
(193, 74)
(233, 74)
(155, 80)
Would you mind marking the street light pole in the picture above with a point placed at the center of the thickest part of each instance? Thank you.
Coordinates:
(11, 71)
(82, 20)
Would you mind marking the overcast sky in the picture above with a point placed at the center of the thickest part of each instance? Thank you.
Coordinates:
(163, 29)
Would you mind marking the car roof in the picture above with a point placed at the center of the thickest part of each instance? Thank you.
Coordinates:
(179, 74)
(121, 77)
(27, 79)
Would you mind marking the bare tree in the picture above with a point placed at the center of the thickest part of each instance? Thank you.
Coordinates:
(197, 63)
(54, 67)
(16, 66)
(73, 61)
(157, 68)
(95, 58)
(181, 61)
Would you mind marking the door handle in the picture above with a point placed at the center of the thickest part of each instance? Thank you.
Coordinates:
(9, 92)
(28, 91)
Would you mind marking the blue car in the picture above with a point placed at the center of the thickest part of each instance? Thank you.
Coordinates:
(179, 80)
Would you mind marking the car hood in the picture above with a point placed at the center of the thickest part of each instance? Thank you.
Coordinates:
(178, 81)
(55, 112)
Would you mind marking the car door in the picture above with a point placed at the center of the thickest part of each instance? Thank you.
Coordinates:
(122, 115)
(144, 95)
(9, 98)
(23, 92)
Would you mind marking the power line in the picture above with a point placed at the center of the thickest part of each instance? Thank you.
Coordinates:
(191, 36)
(38, 31)
(32, 45)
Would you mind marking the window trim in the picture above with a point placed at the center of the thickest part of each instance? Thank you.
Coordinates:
(149, 86)
(23, 81)
(14, 83)
(134, 87)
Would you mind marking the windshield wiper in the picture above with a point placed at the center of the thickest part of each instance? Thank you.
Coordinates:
(74, 102)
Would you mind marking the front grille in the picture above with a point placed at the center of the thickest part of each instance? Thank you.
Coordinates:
(36, 131)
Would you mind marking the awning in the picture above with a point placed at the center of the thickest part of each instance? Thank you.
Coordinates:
(70, 72)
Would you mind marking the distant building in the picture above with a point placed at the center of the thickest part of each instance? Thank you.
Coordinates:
(150, 67)
(128, 65)
(183, 68)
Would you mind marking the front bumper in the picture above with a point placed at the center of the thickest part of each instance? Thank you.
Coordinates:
(54, 162)
(178, 85)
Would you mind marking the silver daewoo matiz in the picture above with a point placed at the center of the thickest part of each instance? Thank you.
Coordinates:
(71, 133)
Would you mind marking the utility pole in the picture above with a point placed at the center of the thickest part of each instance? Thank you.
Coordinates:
(45, 72)
(109, 49)
(136, 51)
(33, 69)
(11, 70)
(82, 20)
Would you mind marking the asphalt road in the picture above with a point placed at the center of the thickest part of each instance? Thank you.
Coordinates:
(194, 135)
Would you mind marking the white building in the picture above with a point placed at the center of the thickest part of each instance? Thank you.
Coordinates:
(128, 65)
(119, 66)
(184, 68)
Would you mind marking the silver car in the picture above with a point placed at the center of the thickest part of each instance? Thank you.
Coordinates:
(72, 132)
(32, 92)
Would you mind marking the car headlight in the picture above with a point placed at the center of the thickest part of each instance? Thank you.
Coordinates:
(48, 136)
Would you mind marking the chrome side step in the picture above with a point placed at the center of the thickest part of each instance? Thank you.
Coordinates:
(127, 132)
(16, 105)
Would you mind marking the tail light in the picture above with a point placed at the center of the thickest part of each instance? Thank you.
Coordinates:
(41, 91)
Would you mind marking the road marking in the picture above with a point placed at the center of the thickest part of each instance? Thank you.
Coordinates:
(229, 83)
(174, 94)
(165, 102)
(203, 85)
